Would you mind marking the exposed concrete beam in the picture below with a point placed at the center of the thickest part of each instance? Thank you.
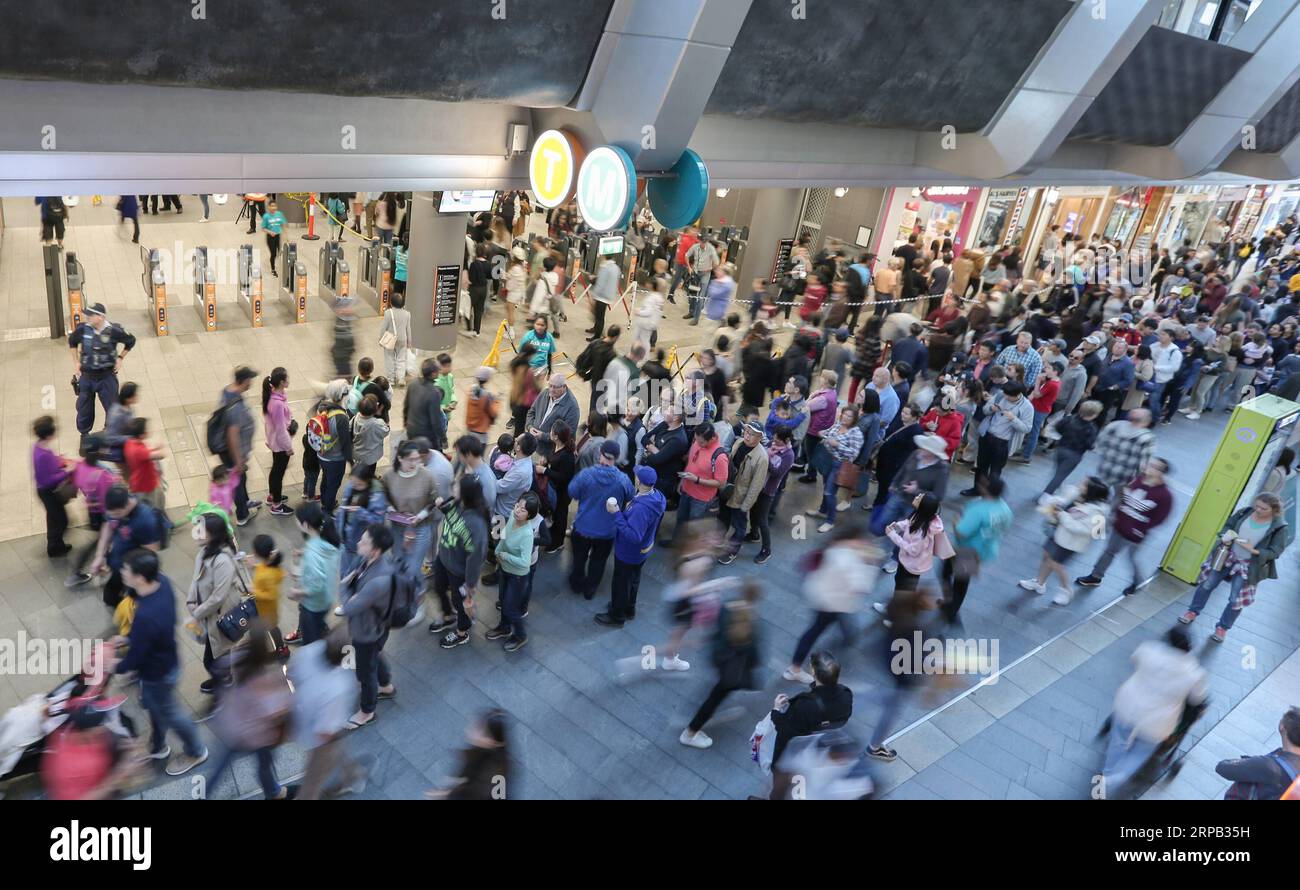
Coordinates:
(656, 66)
(1069, 72)
(1219, 129)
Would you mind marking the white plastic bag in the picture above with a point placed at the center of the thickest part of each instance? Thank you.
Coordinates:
(762, 743)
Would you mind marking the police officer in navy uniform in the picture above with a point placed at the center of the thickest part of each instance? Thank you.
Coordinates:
(94, 345)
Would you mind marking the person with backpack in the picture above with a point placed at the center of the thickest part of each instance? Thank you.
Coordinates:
(132, 525)
(230, 438)
(543, 295)
(736, 653)
(593, 362)
(329, 435)
(369, 433)
(368, 593)
(826, 705)
(481, 406)
(1266, 776)
(706, 473)
(316, 575)
(54, 216)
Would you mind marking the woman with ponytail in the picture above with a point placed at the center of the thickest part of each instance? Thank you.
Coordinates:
(280, 427)
(316, 581)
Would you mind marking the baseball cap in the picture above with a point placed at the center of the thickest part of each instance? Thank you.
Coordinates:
(95, 309)
(646, 475)
(754, 426)
(1059, 343)
(610, 448)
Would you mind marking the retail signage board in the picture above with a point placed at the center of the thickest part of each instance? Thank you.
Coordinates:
(446, 291)
(782, 261)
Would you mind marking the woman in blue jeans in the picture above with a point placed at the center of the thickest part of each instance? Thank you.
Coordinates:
(839, 445)
(1255, 537)
(254, 712)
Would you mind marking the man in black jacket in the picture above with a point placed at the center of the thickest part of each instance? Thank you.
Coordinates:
(827, 705)
(423, 408)
(666, 447)
(1268, 776)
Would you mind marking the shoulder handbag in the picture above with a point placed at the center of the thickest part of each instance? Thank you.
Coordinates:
(235, 623)
(388, 339)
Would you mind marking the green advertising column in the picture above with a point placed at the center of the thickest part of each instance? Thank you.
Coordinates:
(1247, 452)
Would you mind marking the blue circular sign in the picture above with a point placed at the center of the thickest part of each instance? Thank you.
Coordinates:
(679, 201)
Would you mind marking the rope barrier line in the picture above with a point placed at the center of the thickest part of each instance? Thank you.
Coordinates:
(297, 196)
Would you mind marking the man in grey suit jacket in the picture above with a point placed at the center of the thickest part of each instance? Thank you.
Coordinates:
(553, 404)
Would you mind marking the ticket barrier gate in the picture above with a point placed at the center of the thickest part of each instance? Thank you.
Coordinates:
(334, 273)
(250, 283)
(293, 286)
(205, 289)
(376, 261)
(155, 289)
(74, 275)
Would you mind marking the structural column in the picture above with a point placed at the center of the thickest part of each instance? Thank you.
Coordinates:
(436, 239)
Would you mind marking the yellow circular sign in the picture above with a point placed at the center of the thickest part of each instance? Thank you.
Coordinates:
(552, 167)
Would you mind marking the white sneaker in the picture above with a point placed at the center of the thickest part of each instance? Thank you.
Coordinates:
(1184, 410)
(205, 219)
(1194, 415)
(675, 664)
(890, 567)
(842, 505)
(1063, 598)
(880, 608)
(825, 527)
(338, 610)
(799, 676)
(699, 740)
(1029, 584)
(791, 325)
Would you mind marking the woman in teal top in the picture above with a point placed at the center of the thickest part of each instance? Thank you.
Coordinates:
(541, 338)
(979, 533)
(515, 555)
(317, 585)
(399, 269)
(272, 223)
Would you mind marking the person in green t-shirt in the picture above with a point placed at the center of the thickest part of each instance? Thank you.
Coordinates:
(446, 382)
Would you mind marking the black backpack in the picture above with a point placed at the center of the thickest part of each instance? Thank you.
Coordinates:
(216, 430)
(402, 599)
(56, 208)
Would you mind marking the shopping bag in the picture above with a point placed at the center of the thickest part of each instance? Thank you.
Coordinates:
(762, 742)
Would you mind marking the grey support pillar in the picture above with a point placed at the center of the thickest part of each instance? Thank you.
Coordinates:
(776, 216)
(437, 239)
(1070, 71)
(655, 67)
(1271, 33)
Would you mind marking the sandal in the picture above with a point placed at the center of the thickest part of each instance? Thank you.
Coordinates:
(353, 725)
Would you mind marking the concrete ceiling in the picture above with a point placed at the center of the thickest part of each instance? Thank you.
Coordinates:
(143, 97)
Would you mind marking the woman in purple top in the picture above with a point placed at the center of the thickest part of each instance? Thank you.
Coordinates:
(50, 469)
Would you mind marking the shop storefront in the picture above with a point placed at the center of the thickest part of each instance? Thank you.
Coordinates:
(1250, 211)
(1076, 210)
(1190, 210)
(1002, 217)
(1125, 213)
(1227, 205)
(932, 214)
(1281, 203)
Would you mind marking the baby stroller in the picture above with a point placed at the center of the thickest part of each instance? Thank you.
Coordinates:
(25, 728)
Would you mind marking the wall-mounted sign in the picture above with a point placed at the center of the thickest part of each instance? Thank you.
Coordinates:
(553, 167)
(446, 290)
(679, 200)
(950, 194)
(782, 261)
(610, 245)
(606, 188)
(606, 185)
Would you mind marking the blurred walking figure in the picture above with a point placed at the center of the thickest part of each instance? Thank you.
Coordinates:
(836, 586)
(1167, 680)
(324, 695)
(905, 618)
(826, 705)
(735, 654)
(254, 715)
(485, 763)
(344, 340)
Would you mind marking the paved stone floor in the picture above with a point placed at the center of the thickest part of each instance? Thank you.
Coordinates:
(578, 731)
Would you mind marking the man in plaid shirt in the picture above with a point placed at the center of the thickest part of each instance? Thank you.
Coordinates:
(1124, 447)
(1023, 354)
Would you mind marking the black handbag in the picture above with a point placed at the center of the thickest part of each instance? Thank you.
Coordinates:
(235, 623)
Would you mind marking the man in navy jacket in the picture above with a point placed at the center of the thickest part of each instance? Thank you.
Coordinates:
(635, 528)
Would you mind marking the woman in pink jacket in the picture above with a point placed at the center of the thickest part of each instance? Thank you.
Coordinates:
(278, 421)
(920, 539)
